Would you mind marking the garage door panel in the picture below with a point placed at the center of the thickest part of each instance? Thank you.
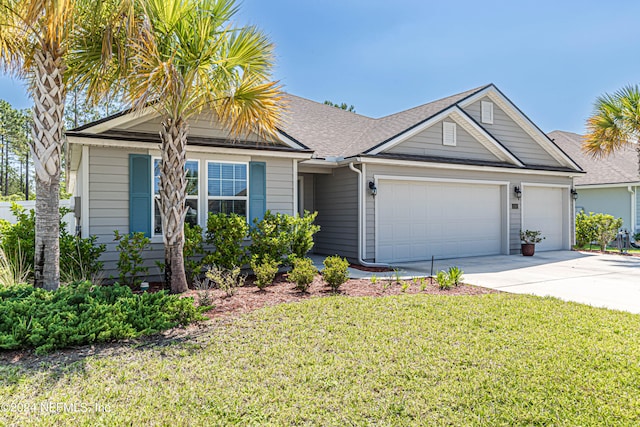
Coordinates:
(542, 210)
(445, 220)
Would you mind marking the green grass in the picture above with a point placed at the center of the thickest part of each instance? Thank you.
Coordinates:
(609, 249)
(406, 360)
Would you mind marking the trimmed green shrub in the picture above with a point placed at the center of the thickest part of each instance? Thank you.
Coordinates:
(335, 271)
(226, 279)
(302, 273)
(301, 230)
(607, 227)
(602, 228)
(226, 233)
(130, 248)
(265, 270)
(83, 313)
(585, 229)
(193, 250)
(19, 239)
(79, 257)
(269, 236)
(283, 237)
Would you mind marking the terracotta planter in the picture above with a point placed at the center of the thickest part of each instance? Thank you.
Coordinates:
(528, 249)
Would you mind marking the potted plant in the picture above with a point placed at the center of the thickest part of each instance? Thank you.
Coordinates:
(529, 238)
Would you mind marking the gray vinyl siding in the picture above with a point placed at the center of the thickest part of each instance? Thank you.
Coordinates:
(279, 184)
(336, 198)
(429, 143)
(512, 136)
(612, 201)
(514, 215)
(109, 198)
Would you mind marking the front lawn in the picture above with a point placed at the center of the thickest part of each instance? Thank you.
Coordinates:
(610, 249)
(494, 359)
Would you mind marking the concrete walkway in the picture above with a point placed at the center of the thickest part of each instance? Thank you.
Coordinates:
(611, 281)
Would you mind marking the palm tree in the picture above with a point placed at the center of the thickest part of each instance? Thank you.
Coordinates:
(35, 37)
(185, 57)
(33, 41)
(615, 123)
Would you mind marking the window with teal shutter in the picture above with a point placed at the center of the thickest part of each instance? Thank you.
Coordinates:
(257, 190)
(140, 194)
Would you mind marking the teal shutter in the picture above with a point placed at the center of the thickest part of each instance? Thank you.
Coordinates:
(140, 194)
(257, 190)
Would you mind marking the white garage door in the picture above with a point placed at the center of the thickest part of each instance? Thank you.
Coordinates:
(542, 210)
(418, 219)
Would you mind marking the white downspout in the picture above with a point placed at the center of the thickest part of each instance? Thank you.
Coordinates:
(84, 196)
(361, 222)
(634, 220)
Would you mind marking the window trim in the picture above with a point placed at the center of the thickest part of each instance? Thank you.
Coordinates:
(206, 193)
(188, 196)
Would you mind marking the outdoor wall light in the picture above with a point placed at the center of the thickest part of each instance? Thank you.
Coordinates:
(372, 188)
(518, 192)
(574, 194)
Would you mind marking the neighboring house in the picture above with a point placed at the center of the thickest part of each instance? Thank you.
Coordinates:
(611, 184)
(436, 180)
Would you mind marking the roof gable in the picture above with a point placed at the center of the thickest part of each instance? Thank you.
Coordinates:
(467, 124)
(514, 114)
(386, 128)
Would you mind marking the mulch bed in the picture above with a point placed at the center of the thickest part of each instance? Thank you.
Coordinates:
(249, 297)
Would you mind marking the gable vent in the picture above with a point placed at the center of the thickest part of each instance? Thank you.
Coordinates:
(449, 134)
(487, 112)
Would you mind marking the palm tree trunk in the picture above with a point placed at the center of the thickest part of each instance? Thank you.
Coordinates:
(48, 119)
(173, 187)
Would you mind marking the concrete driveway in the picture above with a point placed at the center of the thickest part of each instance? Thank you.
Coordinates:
(611, 281)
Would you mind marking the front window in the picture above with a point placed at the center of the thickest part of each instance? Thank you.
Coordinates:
(191, 204)
(227, 188)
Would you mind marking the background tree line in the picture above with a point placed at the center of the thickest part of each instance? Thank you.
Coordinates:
(16, 163)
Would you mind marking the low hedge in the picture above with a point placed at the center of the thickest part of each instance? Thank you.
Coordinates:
(82, 313)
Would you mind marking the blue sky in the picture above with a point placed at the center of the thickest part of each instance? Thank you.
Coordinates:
(551, 58)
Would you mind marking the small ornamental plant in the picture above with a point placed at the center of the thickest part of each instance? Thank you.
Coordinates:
(228, 280)
(444, 280)
(455, 274)
(302, 273)
(531, 236)
(265, 270)
(336, 271)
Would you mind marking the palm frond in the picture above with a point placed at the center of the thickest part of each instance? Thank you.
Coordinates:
(255, 106)
(615, 122)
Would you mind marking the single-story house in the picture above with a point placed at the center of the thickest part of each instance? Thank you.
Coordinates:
(611, 184)
(460, 176)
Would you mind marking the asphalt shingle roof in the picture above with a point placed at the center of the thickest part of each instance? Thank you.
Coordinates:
(620, 167)
(332, 132)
